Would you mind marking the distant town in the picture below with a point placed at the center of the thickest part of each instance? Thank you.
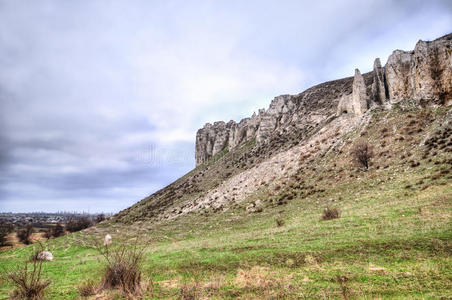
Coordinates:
(41, 219)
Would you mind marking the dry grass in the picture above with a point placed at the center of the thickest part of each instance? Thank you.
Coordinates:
(256, 277)
(190, 292)
(88, 288)
(25, 234)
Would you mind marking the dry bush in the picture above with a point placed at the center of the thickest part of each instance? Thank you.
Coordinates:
(100, 218)
(87, 288)
(56, 231)
(36, 251)
(344, 289)
(362, 153)
(5, 229)
(190, 292)
(29, 282)
(48, 234)
(123, 270)
(279, 222)
(78, 224)
(24, 235)
(330, 213)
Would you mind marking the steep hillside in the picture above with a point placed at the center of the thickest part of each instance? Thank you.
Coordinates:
(235, 160)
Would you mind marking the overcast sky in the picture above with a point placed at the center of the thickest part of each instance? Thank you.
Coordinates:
(100, 100)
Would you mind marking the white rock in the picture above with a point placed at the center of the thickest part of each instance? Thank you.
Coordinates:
(45, 255)
(107, 240)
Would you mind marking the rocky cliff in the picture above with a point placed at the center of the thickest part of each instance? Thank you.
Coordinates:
(423, 75)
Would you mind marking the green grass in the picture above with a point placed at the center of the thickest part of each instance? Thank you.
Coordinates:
(409, 236)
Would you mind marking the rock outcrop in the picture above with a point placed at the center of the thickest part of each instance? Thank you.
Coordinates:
(379, 95)
(275, 117)
(359, 96)
(212, 139)
(424, 75)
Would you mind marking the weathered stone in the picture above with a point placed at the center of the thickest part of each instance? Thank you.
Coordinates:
(276, 114)
(378, 85)
(45, 256)
(424, 74)
(398, 75)
(107, 240)
(212, 139)
(359, 96)
(345, 105)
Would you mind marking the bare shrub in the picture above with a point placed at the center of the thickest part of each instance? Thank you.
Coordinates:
(24, 235)
(87, 288)
(363, 153)
(5, 229)
(123, 270)
(56, 231)
(36, 251)
(190, 292)
(100, 218)
(78, 224)
(29, 282)
(344, 289)
(330, 213)
(48, 233)
(279, 222)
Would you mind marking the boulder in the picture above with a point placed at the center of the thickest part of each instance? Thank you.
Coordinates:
(44, 256)
(107, 240)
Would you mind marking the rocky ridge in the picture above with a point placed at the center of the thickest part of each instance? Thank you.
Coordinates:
(423, 75)
(297, 132)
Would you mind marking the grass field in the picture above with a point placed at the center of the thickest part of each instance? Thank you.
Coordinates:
(388, 242)
(392, 240)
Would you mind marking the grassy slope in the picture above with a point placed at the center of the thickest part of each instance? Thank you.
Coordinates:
(393, 239)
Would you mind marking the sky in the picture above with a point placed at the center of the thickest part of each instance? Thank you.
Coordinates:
(100, 100)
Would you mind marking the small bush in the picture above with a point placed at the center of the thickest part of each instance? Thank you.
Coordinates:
(189, 292)
(29, 282)
(5, 229)
(279, 222)
(78, 224)
(100, 218)
(39, 249)
(362, 152)
(123, 273)
(330, 213)
(24, 235)
(123, 270)
(57, 231)
(88, 288)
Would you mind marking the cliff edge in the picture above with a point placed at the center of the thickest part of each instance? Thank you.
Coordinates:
(423, 75)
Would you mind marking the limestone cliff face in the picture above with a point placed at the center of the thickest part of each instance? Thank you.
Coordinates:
(212, 139)
(424, 75)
